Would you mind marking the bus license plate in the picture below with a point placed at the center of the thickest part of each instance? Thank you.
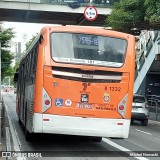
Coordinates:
(86, 106)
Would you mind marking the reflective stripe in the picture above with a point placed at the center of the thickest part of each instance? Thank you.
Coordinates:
(44, 98)
(87, 76)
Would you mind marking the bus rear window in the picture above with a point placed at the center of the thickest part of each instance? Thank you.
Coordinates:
(88, 49)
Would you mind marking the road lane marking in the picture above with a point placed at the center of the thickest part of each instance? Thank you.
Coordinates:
(8, 140)
(143, 132)
(121, 148)
(14, 134)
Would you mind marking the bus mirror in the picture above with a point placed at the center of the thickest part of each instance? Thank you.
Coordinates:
(15, 77)
(41, 39)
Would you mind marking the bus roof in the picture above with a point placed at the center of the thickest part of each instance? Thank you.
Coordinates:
(90, 29)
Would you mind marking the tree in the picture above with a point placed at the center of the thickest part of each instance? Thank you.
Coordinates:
(6, 59)
(130, 14)
(13, 71)
(152, 12)
(5, 36)
(30, 41)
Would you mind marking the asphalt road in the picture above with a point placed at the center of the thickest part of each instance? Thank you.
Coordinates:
(141, 138)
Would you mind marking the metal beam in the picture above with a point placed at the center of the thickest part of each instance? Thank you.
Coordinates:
(81, 20)
(26, 16)
(52, 21)
(157, 72)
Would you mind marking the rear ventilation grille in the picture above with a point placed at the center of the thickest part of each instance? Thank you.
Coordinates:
(87, 80)
(80, 71)
(76, 74)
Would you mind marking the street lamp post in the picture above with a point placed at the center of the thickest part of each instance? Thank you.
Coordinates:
(0, 71)
(0, 93)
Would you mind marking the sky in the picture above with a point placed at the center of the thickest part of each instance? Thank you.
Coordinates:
(23, 31)
(27, 29)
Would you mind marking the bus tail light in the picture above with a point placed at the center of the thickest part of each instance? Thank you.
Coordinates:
(46, 119)
(122, 106)
(46, 101)
(120, 124)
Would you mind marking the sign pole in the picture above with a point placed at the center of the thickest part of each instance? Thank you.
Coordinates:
(0, 97)
(0, 71)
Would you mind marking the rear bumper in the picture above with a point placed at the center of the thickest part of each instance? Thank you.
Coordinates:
(139, 116)
(68, 125)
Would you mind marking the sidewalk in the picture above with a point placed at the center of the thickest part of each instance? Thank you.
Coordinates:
(152, 116)
(2, 131)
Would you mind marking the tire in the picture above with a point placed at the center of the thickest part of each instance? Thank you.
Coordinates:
(19, 121)
(144, 122)
(28, 135)
(96, 139)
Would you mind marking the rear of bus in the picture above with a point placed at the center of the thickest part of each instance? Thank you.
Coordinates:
(84, 82)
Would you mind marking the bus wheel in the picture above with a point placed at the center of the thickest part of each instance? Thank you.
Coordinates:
(28, 135)
(19, 121)
(131, 121)
(96, 139)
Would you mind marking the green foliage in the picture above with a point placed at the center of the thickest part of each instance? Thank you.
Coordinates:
(6, 36)
(16, 67)
(129, 14)
(13, 71)
(30, 42)
(152, 11)
(6, 58)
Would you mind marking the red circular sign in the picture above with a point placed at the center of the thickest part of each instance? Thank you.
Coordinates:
(90, 13)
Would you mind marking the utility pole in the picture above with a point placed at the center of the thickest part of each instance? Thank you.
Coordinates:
(0, 71)
(0, 95)
(0, 65)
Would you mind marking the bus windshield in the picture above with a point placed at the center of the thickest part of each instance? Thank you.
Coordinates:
(88, 49)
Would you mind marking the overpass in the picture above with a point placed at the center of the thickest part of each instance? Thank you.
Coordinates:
(147, 71)
(67, 12)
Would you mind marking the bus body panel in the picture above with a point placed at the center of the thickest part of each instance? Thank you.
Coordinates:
(96, 92)
(96, 115)
(101, 127)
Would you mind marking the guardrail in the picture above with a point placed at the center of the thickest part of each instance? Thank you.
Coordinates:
(154, 104)
(2, 116)
(100, 3)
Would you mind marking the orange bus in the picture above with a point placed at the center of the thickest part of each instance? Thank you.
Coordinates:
(77, 81)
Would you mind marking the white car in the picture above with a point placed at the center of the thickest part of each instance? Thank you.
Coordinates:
(140, 110)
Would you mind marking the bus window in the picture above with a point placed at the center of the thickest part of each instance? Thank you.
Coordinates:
(75, 48)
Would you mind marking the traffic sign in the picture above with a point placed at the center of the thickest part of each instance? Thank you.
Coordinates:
(90, 13)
